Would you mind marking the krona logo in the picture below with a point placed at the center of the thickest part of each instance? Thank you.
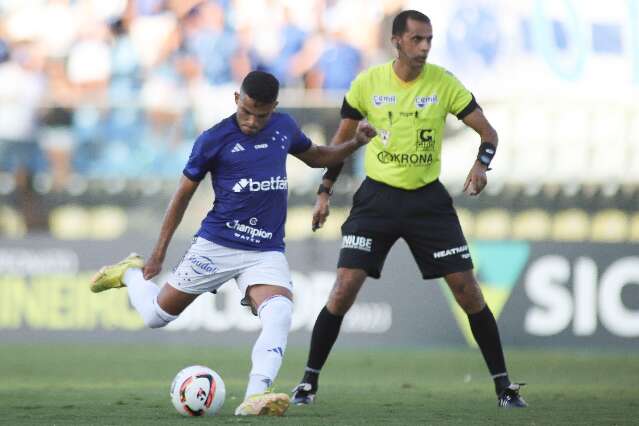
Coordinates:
(273, 184)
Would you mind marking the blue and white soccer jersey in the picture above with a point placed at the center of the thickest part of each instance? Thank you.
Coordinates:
(249, 179)
(207, 265)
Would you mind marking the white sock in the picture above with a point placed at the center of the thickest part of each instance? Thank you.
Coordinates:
(268, 351)
(143, 295)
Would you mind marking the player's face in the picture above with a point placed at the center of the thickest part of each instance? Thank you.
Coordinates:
(413, 46)
(252, 116)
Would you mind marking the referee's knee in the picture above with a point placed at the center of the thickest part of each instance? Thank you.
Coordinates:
(345, 290)
(338, 307)
(341, 299)
(470, 299)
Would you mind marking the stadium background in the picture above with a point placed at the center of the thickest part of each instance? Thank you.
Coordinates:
(100, 103)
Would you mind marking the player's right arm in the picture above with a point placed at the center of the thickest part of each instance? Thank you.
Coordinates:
(345, 132)
(353, 110)
(172, 218)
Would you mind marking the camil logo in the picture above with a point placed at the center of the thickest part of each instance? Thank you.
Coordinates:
(277, 183)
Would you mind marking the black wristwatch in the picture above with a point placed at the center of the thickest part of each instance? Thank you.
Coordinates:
(325, 189)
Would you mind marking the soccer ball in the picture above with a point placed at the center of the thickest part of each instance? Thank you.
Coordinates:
(197, 391)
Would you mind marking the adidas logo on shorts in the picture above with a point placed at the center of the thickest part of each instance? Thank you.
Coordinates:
(237, 148)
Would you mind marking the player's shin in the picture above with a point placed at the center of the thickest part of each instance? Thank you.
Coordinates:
(275, 314)
(143, 296)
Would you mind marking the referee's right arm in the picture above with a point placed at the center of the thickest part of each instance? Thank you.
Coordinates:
(345, 132)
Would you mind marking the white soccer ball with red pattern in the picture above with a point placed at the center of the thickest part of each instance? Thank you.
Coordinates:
(197, 391)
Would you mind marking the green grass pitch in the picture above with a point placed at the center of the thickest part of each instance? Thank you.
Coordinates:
(100, 384)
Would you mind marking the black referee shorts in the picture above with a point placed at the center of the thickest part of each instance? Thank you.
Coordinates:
(424, 218)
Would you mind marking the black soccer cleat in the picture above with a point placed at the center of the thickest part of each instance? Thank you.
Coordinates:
(510, 398)
(304, 394)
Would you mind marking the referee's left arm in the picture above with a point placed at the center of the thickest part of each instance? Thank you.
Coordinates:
(477, 121)
(476, 180)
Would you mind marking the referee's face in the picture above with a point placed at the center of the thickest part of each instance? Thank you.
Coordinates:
(252, 116)
(413, 46)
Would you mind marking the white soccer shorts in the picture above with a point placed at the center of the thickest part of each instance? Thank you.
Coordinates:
(206, 266)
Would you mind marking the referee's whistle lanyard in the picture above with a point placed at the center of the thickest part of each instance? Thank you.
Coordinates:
(415, 117)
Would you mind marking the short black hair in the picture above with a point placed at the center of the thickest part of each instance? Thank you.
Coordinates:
(261, 87)
(399, 23)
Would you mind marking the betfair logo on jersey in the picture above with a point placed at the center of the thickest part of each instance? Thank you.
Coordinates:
(379, 100)
(405, 160)
(357, 242)
(273, 184)
(498, 266)
(422, 101)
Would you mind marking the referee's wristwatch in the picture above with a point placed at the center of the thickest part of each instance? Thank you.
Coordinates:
(322, 189)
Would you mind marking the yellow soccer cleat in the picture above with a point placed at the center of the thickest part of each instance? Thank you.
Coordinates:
(111, 276)
(264, 404)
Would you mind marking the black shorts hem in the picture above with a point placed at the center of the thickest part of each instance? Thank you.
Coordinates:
(369, 272)
(452, 270)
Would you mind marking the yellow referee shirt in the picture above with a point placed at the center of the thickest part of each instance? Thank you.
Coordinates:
(409, 118)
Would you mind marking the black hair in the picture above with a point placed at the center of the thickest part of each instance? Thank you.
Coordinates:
(261, 87)
(399, 23)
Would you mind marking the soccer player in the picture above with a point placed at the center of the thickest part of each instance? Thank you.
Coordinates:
(407, 101)
(242, 237)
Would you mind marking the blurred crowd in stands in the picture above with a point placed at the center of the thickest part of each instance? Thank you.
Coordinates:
(120, 88)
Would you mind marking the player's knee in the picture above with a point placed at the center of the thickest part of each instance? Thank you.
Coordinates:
(157, 317)
(279, 310)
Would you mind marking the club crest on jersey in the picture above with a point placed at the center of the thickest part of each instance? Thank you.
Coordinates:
(379, 100)
(422, 101)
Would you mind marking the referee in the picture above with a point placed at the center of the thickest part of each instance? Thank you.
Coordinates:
(407, 101)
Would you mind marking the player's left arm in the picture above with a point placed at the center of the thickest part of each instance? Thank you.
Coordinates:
(326, 156)
(172, 218)
(476, 180)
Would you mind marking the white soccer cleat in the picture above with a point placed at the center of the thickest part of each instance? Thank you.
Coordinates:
(264, 404)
